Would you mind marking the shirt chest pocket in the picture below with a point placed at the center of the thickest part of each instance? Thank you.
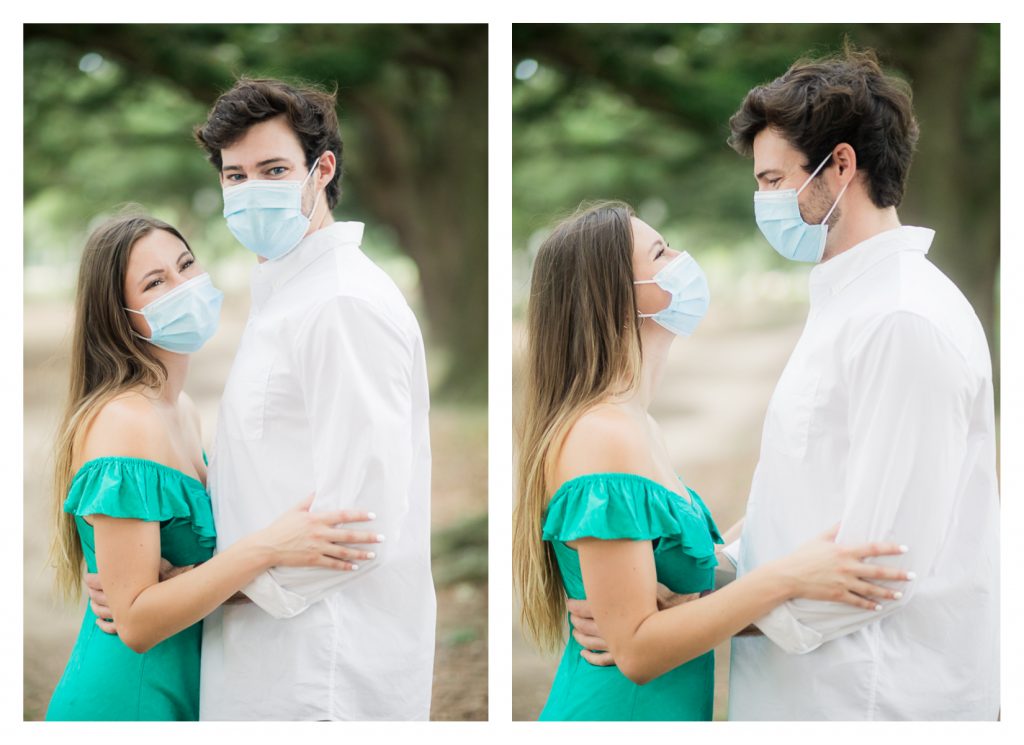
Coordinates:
(245, 399)
(791, 411)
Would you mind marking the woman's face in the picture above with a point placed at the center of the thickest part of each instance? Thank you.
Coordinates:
(650, 254)
(158, 263)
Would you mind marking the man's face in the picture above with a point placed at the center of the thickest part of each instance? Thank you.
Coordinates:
(779, 165)
(268, 151)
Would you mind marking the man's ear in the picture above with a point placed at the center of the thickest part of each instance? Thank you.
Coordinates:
(326, 168)
(846, 159)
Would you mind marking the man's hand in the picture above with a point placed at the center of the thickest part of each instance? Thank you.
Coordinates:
(98, 599)
(585, 631)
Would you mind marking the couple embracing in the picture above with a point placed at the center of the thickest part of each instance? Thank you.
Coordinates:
(867, 562)
(305, 543)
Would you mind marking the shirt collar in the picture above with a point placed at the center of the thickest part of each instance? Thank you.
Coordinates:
(269, 276)
(831, 277)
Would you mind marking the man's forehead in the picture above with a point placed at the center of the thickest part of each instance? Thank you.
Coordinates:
(772, 152)
(273, 139)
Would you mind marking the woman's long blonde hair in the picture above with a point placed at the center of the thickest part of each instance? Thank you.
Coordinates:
(106, 360)
(583, 343)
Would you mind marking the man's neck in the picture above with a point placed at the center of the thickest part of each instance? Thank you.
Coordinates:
(856, 226)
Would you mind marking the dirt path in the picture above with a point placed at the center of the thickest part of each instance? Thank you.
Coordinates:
(459, 444)
(711, 409)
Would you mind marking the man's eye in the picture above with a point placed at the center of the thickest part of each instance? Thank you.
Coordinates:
(774, 181)
(234, 177)
(277, 171)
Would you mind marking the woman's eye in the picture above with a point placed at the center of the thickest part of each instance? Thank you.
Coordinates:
(187, 264)
(153, 284)
(661, 252)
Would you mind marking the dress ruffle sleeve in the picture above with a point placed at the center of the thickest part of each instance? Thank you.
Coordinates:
(143, 490)
(613, 506)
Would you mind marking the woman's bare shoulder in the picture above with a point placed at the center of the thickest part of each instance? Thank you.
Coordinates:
(128, 425)
(607, 438)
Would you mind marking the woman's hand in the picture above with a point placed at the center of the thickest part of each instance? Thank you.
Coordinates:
(824, 570)
(301, 538)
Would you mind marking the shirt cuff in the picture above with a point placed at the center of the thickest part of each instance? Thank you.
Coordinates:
(274, 599)
(787, 632)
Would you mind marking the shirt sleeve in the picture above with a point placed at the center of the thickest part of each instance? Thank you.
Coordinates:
(355, 370)
(910, 394)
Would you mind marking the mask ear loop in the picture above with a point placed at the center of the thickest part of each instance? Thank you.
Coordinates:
(315, 202)
(811, 177)
(836, 204)
(138, 313)
(645, 282)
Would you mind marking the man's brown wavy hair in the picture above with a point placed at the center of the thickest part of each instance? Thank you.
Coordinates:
(819, 103)
(310, 112)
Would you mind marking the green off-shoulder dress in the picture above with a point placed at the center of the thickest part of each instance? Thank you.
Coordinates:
(626, 506)
(104, 679)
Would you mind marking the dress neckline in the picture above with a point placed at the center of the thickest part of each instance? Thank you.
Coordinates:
(689, 501)
(131, 459)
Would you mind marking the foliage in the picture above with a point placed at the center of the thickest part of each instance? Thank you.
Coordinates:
(640, 112)
(109, 112)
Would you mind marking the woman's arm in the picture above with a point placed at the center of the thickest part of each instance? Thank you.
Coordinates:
(621, 587)
(733, 533)
(147, 611)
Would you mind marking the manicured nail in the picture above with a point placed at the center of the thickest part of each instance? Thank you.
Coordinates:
(380, 538)
(371, 555)
(354, 567)
(372, 515)
(897, 595)
(911, 576)
(878, 607)
(904, 549)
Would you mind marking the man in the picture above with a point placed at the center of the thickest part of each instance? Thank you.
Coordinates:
(327, 394)
(882, 420)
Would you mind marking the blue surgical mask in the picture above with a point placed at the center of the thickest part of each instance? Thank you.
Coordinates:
(778, 216)
(684, 280)
(185, 318)
(266, 216)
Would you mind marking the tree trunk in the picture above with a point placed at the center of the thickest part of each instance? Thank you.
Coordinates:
(946, 182)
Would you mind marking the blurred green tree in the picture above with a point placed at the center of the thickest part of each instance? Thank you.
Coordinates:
(109, 111)
(641, 112)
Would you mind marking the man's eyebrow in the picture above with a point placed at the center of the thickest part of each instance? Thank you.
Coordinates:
(261, 164)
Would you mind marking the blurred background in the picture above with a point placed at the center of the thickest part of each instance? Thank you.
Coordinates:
(640, 113)
(109, 112)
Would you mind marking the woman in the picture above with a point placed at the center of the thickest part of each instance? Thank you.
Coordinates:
(602, 515)
(129, 483)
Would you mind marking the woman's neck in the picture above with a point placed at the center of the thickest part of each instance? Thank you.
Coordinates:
(177, 370)
(656, 343)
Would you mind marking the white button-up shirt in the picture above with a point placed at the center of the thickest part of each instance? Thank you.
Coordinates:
(328, 393)
(882, 420)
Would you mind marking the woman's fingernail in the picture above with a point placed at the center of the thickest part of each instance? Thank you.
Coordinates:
(878, 607)
(897, 595)
(904, 549)
(380, 538)
(911, 575)
(354, 567)
(370, 555)
(372, 515)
